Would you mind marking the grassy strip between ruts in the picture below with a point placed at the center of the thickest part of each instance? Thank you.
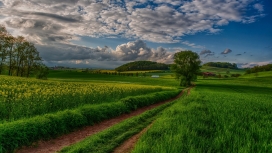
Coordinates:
(112, 137)
(26, 131)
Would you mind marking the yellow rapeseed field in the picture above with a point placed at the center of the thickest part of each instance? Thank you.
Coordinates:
(24, 97)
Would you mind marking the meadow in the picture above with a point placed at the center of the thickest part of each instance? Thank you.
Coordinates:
(220, 115)
(33, 110)
(166, 79)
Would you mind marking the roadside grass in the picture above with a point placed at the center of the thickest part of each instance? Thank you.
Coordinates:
(218, 116)
(112, 137)
(22, 132)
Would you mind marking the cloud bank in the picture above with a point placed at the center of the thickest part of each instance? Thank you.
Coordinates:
(131, 51)
(53, 24)
(163, 21)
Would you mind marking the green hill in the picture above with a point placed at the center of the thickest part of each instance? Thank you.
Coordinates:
(217, 70)
(221, 65)
(142, 65)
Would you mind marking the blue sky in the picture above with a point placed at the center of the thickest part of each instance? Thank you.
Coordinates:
(108, 33)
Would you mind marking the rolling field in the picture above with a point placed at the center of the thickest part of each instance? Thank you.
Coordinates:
(165, 80)
(33, 110)
(219, 116)
(221, 70)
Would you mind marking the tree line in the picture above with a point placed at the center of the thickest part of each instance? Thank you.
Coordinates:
(257, 69)
(19, 57)
(222, 65)
(142, 65)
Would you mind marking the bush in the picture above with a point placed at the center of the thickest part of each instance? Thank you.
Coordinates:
(235, 75)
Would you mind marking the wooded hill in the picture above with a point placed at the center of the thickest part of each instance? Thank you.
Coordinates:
(221, 65)
(257, 69)
(142, 65)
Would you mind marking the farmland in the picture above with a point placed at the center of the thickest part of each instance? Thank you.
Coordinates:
(57, 106)
(22, 97)
(219, 115)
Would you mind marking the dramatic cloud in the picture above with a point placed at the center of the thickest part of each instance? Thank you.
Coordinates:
(167, 21)
(226, 51)
(138, 50)
(238, 54)
(53, 25)
(131, 51)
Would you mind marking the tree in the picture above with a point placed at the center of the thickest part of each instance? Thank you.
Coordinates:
(186, 66)
(3, 46)
(18, 55)
(41, 71)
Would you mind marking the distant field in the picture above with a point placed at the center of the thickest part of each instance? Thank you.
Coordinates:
(232, 115)
(259, 74)
(165, 79)
(221, 70)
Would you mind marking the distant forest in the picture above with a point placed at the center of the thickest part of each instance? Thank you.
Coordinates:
(257, 69)
(222, 65)
(142, 65)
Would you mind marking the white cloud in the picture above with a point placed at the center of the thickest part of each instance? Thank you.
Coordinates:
(157, 23)
(258, 7)
(131, 51)
(138, 50)
(203, 52)
(193, 45)
(53, 24)
(226, 51)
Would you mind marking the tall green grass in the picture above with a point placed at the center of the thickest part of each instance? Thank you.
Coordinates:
(26, 131)
(218, 116)
(112, 137)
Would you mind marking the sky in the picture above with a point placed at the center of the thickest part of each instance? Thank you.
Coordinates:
(108, 33)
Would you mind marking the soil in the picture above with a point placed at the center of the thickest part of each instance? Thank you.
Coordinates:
(57, 144)
(129, 144)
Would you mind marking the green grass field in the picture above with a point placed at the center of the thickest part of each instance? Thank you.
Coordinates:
(33, 109)
(221, 70)
(165, 79)
(219, 116)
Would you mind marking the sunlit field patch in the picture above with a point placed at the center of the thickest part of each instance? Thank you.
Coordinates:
(21, 97)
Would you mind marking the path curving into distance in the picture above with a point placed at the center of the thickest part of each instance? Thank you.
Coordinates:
(129, 144)
(58, 143)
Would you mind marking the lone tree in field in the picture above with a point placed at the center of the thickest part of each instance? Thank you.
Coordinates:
(186, 66)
